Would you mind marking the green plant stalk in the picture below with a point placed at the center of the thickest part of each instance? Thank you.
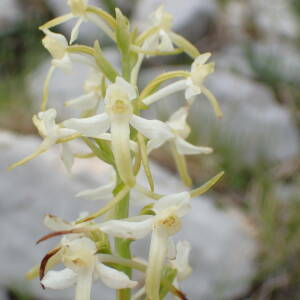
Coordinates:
(122, 247)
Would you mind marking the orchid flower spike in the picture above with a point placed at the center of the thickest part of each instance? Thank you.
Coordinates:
(193, 85)
(118, 116)
(165, 223)
(82, 267)
(50, 131)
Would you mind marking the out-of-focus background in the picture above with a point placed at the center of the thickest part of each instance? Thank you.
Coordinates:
(246, 233)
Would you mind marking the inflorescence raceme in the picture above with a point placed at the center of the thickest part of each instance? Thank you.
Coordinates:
(112, 128)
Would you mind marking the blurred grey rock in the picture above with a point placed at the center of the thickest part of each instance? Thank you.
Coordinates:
(275, 19)
(253, 124)
(282, 60)
(233, 59)
(190, 19)
(223, 246)
(10, 13)
(223, 252)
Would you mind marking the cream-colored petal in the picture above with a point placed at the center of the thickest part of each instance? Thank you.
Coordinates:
(166, 91)
(75, 30)
(114, 278)
(63, 63)
(89, 127)
(157, 255)
(67, 156)
(178, 120)
(185, 148)
(120, 136)
(191, 90)
(59, 279)
(180, 202)
(64, 132)
(84, 284)
(127, 229)
(126, 87)
(104, 192)
(107, 137)
(84, 102)
(56, 224)
(154, 130)
(181, 262)
(200, 60)
(165, 42)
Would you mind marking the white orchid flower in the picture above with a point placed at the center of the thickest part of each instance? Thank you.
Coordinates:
(50, 131)
(118, 116)
(166, 222)
(93, 93)
(180, 131)
(82, 267)
(82, 12)
(193, 85)
(58, 46)
(160, 40)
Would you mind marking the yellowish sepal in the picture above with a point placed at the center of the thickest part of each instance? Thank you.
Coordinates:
(213, 101)
(181, 42)
(26, 159)
(85, 155)
(46, 88)
(145, 161)
(69, 138)
(81, 49)
(106, 207)
(147, 33)
(181, 166)
(154, 84)
(56, 21)
(156, 53)
(104, 15)
(206, 186)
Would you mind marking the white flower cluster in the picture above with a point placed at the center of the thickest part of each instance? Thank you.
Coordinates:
(112, 127)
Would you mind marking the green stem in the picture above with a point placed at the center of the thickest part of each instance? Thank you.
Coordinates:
(122, 247)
